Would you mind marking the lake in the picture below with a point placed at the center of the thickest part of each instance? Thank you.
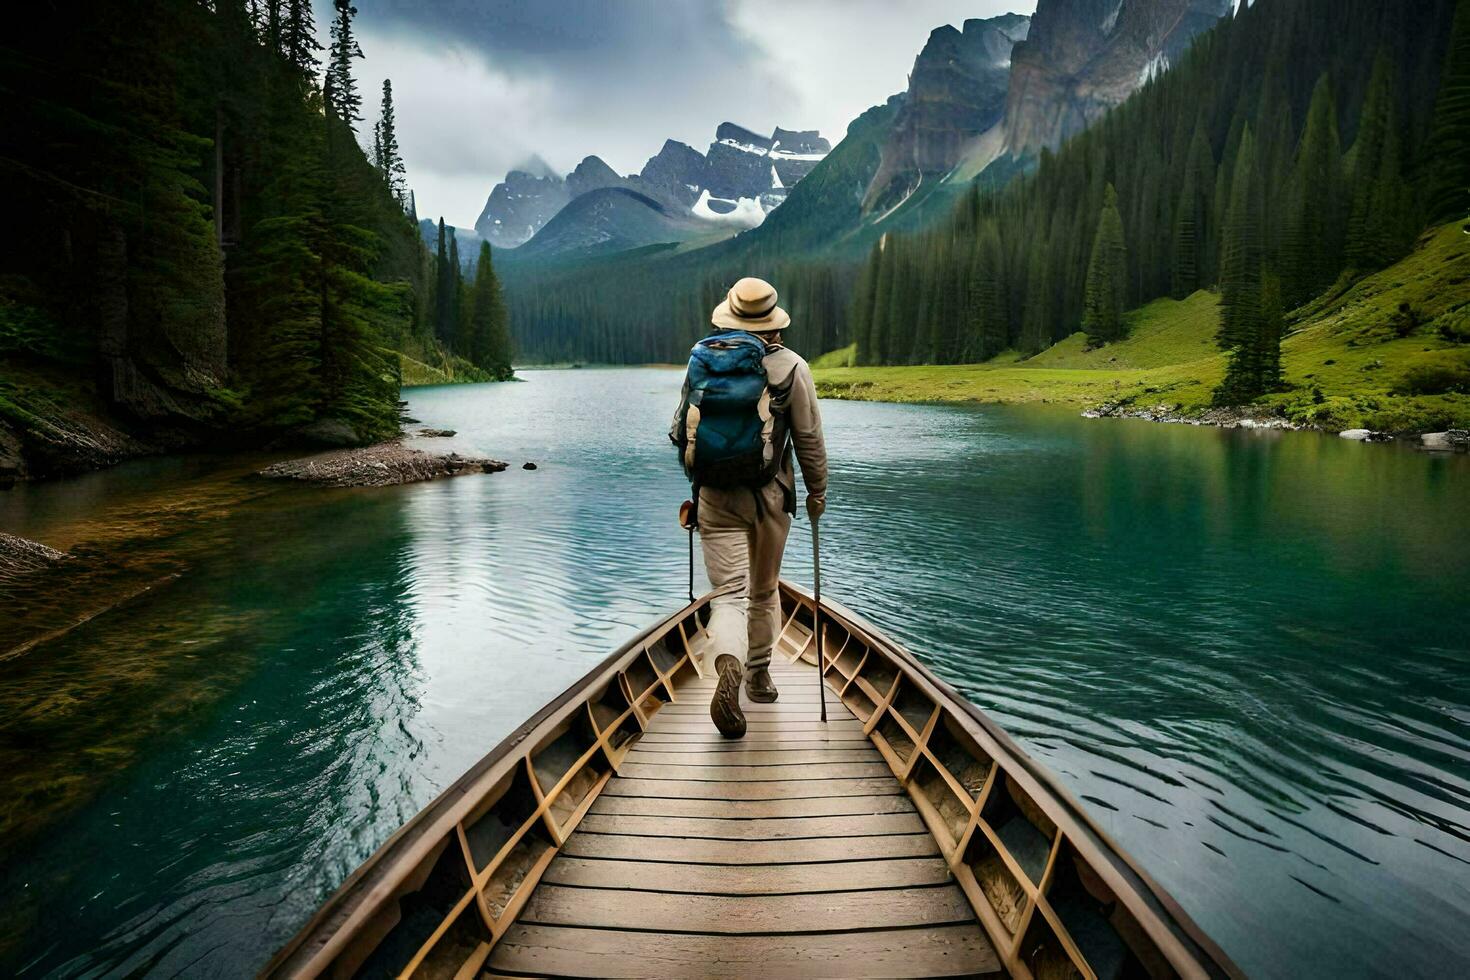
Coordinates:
(1247, 652)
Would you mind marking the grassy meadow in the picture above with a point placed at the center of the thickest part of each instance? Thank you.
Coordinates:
(1390, 352)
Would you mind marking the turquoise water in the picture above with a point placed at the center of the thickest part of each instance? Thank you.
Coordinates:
(1248, 653)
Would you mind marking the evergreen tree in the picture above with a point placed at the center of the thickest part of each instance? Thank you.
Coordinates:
(298, 41)
(1375, 234)
(873, 352)
(897, 325)
(1192, 226)
(444, 290)
(1449, 145)
(455, 314)
(1273, 325)
(389, 158)
(1312, 251)
(988, 315)
(1035, 325)
(342, 98)
(1240, 266)
(862, 308)
(1107, 277)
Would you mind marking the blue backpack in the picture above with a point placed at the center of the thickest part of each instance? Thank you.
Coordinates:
(731, 426)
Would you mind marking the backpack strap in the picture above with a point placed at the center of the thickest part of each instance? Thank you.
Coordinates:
(691, 432)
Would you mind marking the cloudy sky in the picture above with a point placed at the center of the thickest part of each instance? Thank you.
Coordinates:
(481, 85)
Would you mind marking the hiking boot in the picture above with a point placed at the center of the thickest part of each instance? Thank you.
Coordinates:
(759, 686)
(724, 707)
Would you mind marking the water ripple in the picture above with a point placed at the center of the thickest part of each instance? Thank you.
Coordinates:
(1247, 656)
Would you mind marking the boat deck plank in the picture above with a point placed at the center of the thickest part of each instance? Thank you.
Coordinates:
(819, 806)
(606, 908)
(791, 853)
(945, 951)
(755, 829)
(776, 789)
(741, 879)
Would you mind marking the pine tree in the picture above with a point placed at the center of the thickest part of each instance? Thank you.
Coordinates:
(873, 352)
(897, 324)
(455, 314)
(298, 39)
(444, 290)
(1273, 321)
(1375, 237)
(1035, 325)
(1312, 250)
(389, 158)
(1240, 265)
(1107, 277)
(1449, 144)
(343, 101)
(988, 314)
(862, 308)
(490, 348)
(1192, 225)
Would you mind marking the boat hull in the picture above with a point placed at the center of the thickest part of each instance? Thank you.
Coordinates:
(917, 837)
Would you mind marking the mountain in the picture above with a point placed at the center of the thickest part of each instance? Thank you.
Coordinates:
(519, 205)
(611, 219)
(957, 91)
(737, 182)
(1083, 57)
(903, 166)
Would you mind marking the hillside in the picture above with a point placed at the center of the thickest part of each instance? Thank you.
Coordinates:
(612, 219)
(1344, 362)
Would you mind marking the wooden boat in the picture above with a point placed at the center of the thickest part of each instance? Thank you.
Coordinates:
(616, 834)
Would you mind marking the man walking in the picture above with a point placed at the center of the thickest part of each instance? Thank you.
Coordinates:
(748, 400)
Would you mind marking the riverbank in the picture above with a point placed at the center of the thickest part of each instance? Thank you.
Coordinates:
(1390, 353)
(54, 421)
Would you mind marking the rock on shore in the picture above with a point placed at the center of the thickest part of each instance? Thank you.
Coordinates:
(1225, 418)
(382, 465)
(1450, 441)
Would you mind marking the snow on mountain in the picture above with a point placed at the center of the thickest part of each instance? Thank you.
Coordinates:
(737, 181)
(745, 212)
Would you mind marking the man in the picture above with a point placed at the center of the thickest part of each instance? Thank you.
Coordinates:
(743, 521)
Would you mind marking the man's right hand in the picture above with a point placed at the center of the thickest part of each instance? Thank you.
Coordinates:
(816, 504)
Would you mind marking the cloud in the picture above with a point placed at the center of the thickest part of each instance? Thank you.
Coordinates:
(481, 86)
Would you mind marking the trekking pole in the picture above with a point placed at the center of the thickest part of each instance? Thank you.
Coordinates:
(685, 522)
(817, 619)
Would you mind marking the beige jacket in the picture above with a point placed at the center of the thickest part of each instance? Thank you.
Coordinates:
(803, 417)
(804, 421)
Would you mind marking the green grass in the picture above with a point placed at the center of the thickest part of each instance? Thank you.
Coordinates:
(840, 358)
(1344, 363)
(449, 370)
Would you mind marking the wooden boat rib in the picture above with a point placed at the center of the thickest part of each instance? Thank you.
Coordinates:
(616, 833)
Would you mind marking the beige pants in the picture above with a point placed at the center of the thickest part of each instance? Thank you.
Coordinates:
(742, 556)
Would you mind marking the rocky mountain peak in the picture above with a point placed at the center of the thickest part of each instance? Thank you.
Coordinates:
(799, 141)
(675, 173)
(741, 177)
(728, 132)
(534, 166)
(957, 91)
(1082, 57)
(590, 175)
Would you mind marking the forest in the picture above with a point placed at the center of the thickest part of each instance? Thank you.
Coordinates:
(1298, 146)
(203, 241)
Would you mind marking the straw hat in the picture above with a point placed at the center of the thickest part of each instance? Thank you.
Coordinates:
(750, 305)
